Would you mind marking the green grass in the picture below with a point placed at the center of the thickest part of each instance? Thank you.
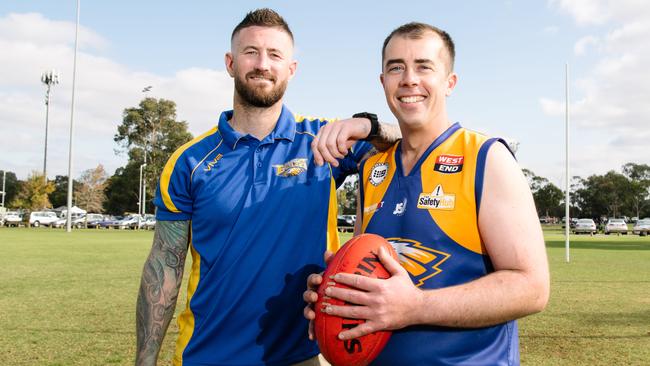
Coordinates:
(69, 299)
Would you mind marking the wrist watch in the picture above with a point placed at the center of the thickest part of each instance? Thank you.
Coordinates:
(374, 124)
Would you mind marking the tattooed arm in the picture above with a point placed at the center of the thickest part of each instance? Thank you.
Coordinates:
(161, 279)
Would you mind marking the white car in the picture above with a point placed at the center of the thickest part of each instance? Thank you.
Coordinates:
(129, 222)
(585, 226)
(642, 227)
(615, 226)
(38, 218)
(12, 219)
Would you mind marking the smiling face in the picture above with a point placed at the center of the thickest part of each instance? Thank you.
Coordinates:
(417, 79)
(261, 63)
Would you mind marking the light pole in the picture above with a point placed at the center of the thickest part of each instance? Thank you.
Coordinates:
(141, 194)
(143, 182)
(68, 224)
(48, 78)
(4, 188)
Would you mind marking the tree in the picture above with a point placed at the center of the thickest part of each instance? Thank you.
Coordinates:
(59, 197)
(90, 193)
(547, 196)
(12, 186)
(610, 194)
(122, 190)
(151, 129)
(33, 194)
(346, 196)
(639, 174)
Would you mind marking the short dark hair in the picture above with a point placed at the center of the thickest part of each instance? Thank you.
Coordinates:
(416, 30)
(264, 17)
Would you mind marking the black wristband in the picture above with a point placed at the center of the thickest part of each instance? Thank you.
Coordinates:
(374, 124)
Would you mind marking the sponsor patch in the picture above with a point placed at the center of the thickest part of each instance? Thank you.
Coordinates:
(291, 168)
(378, 173)
(449, 163)
(437, 200)
(400, 208)
(212, 163)
(373, 208)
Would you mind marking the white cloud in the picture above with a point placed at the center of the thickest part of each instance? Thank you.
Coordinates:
(599, 12)
(583, 43)
(31, 44)
(610, 100)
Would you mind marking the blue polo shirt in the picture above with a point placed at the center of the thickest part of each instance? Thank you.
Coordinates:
(262, 214)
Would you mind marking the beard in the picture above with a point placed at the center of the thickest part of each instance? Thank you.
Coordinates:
(256, 96)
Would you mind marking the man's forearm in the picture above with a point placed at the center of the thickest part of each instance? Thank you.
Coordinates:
(389, 133)
(161, 279)
(496, 298)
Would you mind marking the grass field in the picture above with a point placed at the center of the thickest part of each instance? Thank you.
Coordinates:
(69, 299)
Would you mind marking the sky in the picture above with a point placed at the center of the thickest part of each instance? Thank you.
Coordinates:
(510, 58)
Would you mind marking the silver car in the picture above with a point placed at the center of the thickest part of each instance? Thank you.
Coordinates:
(587, 226)
(642, 227)
(615, 226)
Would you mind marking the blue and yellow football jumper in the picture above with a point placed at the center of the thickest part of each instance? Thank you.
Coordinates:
(262, 214)
(431, 219)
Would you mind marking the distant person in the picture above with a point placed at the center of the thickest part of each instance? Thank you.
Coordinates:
(256, 207)
(457, 209)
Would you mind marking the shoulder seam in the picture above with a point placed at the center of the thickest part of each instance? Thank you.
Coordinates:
(171, 164)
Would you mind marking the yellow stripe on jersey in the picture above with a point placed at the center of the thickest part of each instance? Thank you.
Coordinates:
(169, 169)
(205, 157)
(373, 194)
(459, 223)
(186, 318)
(300, 118)
(333, 242)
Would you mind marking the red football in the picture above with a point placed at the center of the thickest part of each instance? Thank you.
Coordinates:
(359, 255)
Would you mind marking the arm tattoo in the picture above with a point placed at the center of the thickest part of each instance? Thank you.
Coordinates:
(159, 285)
(388, 135)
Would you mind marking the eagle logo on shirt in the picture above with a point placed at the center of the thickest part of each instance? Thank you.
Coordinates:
(420, 261)
(291, 168)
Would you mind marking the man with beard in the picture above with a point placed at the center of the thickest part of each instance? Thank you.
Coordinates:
(255, 204)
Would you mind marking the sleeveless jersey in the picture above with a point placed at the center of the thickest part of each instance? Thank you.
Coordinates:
(431, 218)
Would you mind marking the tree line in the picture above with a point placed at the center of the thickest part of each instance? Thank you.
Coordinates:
(149, 129)
(152, 130)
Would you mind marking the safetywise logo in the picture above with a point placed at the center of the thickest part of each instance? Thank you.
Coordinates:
(449, 164)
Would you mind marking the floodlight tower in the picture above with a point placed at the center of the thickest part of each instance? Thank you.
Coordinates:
(142, 201)
(48, 78)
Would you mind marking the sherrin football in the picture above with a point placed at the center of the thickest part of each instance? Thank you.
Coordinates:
(359, 255)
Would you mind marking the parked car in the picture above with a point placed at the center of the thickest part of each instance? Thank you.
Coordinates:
(12, 218)
(92, 222)
(585, 226)
(642, 227)
(109, 222)
(345, 223)
(615, 226)
(85, 220)
(149, 222)
(59, 223)
(129, 222)
(45, 218)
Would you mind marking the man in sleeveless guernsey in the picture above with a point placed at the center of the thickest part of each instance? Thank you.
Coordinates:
(458, 211)
(256, 208)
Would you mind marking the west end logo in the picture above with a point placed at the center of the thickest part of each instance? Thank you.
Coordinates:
(212, 163)
(291, 168)
(378, 173)
(449, 164)
(420, 262)
(437, 200)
